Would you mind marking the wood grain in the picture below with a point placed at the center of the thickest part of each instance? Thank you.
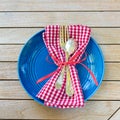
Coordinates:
(109, 90)
(41, 19)
(111, 52)
(16, 35)
(21, 35)
(11, 52)
(27, 109)
(59, 5)
(106, 35)
(12, 90)
(116, 116)
(112, 71)
(8, 70)
(20, 19)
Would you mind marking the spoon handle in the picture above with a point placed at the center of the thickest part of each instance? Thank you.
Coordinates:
(59, 81)
(69, 87)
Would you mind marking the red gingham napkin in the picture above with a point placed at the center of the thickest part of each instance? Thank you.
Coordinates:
(52, 96)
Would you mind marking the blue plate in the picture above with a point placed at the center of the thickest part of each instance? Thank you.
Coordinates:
(32, 65)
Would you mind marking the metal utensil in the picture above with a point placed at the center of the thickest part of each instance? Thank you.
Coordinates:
(59, 81)
(70, 47)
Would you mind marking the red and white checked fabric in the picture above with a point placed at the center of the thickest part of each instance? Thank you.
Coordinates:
(52, 96)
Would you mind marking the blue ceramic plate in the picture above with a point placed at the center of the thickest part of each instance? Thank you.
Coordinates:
(32, 65)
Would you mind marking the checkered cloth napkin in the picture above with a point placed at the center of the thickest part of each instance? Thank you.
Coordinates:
(52, 96)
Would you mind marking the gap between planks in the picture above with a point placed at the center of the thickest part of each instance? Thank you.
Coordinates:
(19, 79)
(50, 11)
(20, 27)
(114, 113)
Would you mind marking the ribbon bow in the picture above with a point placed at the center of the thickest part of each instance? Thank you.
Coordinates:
(70, 62)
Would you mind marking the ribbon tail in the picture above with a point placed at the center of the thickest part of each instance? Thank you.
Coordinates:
(94, 78)
(45, 77)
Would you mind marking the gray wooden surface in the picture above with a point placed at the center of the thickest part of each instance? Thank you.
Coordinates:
(20, 19)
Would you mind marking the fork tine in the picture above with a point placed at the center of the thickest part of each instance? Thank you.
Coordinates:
(64, 34)
(67, 32)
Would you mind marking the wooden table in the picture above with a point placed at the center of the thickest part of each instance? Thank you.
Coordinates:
(20, 19)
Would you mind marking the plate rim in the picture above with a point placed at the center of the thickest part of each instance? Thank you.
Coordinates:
(102, 76)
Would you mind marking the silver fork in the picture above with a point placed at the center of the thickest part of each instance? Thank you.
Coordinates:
(59, 81)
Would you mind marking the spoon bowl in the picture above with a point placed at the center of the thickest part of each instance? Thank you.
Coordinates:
(71, 46)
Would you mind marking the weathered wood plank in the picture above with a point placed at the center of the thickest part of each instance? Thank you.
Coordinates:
(11, 52)
(112, 71)
(27, 109)
(16, 35)
(116, 116)
(106, 35)
(109, 90)
(21, 35)
(8, 70)
(13, 90)
(56, 5)
(62, 12)
(39, 19)
(111, 52)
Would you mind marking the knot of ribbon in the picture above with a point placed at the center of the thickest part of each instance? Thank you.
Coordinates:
(69, 62)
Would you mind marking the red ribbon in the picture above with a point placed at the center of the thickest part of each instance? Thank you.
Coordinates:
(70, 62)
